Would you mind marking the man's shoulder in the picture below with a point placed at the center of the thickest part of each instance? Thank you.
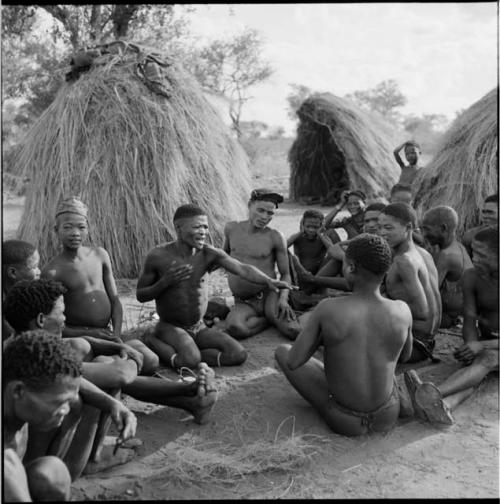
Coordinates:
(233, 225)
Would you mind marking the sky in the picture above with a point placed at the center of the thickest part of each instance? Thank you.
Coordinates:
(444, 56)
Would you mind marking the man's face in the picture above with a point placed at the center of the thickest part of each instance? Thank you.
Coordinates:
(71, 229)
(392, 230)
(54, 321)
(401, 197)
(489, 214)
(432, 232)
(30, 270)
(484, 259)
(45, 409)
(355, 204)
(260, 213)
(370, 221)
(193, 231)
(411, 154)
(311, 226)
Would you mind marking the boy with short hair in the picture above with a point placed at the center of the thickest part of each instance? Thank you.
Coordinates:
(479, 353)
(401, 193)
(363, 336)
(489, 218)
(307, 245)
(408, 171)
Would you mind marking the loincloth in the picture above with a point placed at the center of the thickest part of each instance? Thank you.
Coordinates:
(425, 343)
(257, 302)
(194, 329)
(379, 419)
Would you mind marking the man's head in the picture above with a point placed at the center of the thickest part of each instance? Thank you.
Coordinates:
(489, 212)
(401, 193)
(485, 251)
(439, 224)
(412, 152)
(311, 222)
(355, 201)
(370, 219)
(396, 223)
(33, 304)
(41, 378)
(71, 223)
(367, 255)
(20, 261)
(262, 206)
(191, 225)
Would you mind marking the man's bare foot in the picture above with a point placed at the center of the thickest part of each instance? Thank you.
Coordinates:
(430, 400)
(413, 382)
(206, 394)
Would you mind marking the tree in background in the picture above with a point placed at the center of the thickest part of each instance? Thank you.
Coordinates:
(230, 67)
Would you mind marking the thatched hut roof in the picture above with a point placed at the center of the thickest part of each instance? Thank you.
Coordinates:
(339, 146)
(465, 168)
(134, 137)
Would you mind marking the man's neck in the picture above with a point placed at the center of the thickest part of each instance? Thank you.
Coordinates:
(404, 246)
(447, 241)
(364, 287)
(185, 250)
(71, 254)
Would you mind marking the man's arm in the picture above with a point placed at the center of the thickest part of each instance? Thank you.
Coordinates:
(293, 238)
(397, 156)
(281, 255)
(416, 299)
(408, 346)
(112, 292)
(308, 340)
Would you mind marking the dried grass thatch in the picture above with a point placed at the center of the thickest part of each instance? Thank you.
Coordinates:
(135, 138)
(338, 147)
(465, 168)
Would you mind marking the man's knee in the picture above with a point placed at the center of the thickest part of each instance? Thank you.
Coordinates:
(488, 358)
(81, 346)
(188, 357)
(281, 353)
(239, 330)
(289, 329)
(48, 479)
(151, 361)
(120, 371)
(236, 356)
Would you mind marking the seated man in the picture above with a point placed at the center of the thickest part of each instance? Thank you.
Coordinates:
(254, 243)
(479, 353)
(439, 228)
(20, 261)
(489, 218)
(363, 336)
(41, 386)
(91, 299)
(307, 245)
(410, 279)
(175, 275)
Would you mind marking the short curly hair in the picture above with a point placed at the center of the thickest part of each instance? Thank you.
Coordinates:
(312, 214)
(28, 298)
(442, 214)
(489, 237)
(402, 212)
(16, 252)
(39, 358)
(370, 252)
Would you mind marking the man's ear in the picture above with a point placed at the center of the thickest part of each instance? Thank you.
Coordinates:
(11, 272)
(18, 388)
(40, 320)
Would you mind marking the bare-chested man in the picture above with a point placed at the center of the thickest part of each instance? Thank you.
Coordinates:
(363, 336)
(479, 353)
(489, 218)
(412, 153)
(253, 242)
(410, 277)
(451, 258)
(175, 275)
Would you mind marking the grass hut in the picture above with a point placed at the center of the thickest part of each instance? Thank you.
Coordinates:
(338, 147)
(465, 168)
(133, 136)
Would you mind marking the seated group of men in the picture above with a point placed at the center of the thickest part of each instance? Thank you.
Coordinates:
(65, 362)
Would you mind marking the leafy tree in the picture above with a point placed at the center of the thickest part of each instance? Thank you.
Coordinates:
(252, 129)
(231, 67)
(296, 98)
(385, 98)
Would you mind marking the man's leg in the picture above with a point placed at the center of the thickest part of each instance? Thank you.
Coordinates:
(289, 328)
(219, 349)
(151, 361)
(243, 321)
(15, 479)
(48, 479)
(174, 346)
(310, 382)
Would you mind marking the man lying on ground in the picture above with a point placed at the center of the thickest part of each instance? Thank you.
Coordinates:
(175, 275)
(363, 336)
(43, 390)
(254, 243)
(479, 353)
(20, 261)
(451, 258)
(410, 277)
(489, 218)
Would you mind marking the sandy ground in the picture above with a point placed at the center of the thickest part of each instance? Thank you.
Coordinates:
(256, 405)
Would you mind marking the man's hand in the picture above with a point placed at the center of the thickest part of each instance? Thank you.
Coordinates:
(124, 419)
(276, 285)
(127, 352)
(176, 273)
(104, 334)
(284, 311)
(466, 353)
